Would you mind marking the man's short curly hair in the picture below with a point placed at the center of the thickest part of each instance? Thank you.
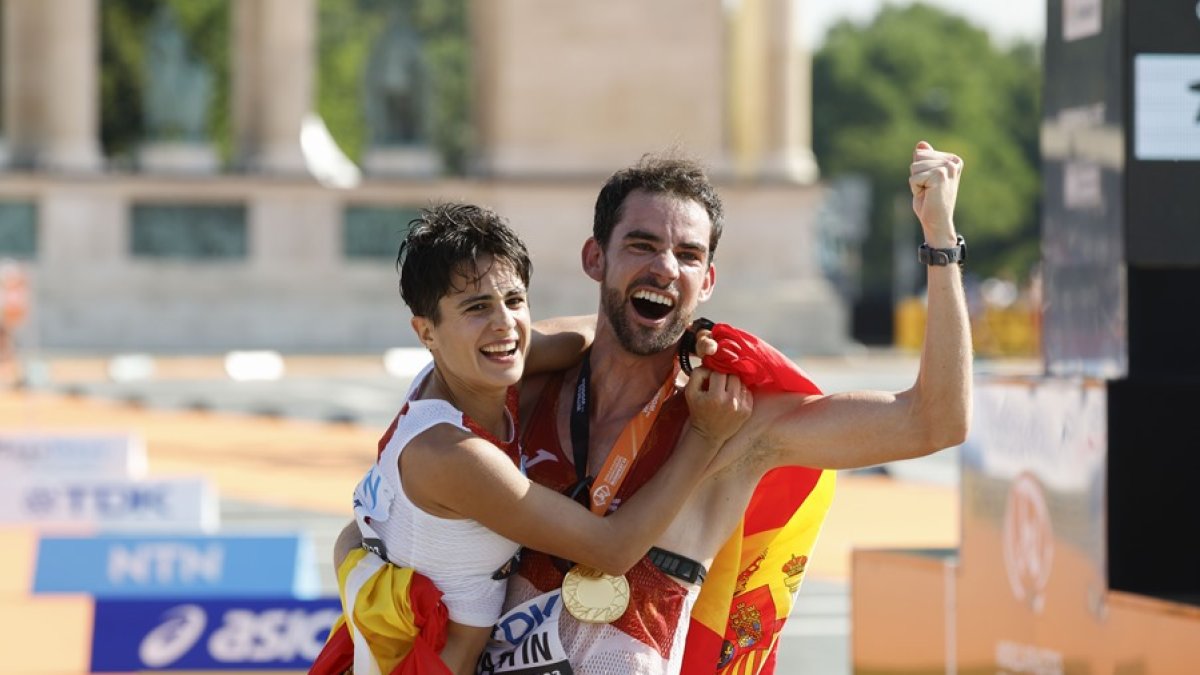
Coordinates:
(658, 174)
(446, 240)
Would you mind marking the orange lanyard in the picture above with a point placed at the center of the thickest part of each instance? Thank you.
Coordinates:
(624, 452)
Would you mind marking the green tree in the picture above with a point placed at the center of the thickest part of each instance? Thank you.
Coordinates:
(917, 72)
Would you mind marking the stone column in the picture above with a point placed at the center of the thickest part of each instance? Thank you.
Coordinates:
(744, 92)
(787, 118)
(558, 97)
(51, 83)
(274, 53)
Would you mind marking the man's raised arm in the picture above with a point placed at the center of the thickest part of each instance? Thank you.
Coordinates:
(856, 429)
(943, 384)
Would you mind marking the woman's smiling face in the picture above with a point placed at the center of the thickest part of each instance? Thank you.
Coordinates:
(482, 335)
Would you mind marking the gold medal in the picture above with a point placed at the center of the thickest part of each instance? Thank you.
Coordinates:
(594, 597)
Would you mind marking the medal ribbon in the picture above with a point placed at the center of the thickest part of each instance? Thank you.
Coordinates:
(624, 452)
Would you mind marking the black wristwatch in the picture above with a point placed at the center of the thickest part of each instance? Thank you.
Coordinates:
(928, 255)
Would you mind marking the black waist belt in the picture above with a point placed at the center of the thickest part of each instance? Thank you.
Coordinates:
(677, 566)
(669, 563)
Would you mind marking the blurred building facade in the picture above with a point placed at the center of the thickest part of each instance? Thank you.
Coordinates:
(175, 254)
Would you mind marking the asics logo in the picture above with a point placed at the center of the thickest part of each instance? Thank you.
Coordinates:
(181, 628)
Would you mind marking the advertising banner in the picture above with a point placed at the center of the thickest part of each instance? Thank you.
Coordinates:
(177, 566)
(162, 504)
(138, 635)
(1166, 105)
(94, 456)
(1032, 581)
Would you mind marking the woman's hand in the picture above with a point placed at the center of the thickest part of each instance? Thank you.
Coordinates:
(719, 405)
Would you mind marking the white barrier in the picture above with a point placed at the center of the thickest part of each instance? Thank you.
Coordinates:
(131, 367)
(405, 362)
(254, 366)
(87, 456)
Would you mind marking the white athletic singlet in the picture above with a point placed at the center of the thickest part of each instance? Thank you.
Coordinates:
(460, 556)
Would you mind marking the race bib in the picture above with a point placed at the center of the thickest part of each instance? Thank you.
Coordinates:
(525, 640)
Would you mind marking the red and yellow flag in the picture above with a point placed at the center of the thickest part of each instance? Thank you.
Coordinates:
(396, 619)
(752, 585)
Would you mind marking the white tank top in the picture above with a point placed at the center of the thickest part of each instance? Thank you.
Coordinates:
(460, 556)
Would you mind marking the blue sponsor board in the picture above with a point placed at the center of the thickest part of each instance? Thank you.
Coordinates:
(207, 634)
(138, 566)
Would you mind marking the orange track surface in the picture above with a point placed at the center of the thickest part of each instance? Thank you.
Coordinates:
(315, 465)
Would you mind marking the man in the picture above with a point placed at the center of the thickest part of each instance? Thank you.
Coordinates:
(656, 228)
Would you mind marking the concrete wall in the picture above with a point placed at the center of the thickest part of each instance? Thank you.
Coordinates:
(296, 292)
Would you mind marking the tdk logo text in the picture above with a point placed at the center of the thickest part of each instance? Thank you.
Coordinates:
(520, 621)
(102, 500)
(178, 503)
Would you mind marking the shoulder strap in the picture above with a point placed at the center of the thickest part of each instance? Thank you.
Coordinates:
(416, 417)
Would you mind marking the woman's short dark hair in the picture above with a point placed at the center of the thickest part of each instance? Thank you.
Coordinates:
(448, 239)
(667, 174)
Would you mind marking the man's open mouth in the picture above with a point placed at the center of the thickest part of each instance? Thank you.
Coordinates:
(651, 305)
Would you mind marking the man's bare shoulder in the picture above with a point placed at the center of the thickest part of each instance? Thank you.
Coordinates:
(751, 451)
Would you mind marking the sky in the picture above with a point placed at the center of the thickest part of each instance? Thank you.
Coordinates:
(1006, 20)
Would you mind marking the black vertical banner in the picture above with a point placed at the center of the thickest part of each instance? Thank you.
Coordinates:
(1083, 142)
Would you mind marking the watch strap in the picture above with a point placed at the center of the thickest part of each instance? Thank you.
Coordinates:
(941, 257)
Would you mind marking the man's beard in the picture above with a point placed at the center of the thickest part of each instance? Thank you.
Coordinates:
(640, 340)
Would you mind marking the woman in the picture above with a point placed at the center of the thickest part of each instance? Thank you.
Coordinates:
(448, 496)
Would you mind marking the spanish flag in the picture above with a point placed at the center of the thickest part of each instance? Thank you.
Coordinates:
(396, 625)
(752, 585)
